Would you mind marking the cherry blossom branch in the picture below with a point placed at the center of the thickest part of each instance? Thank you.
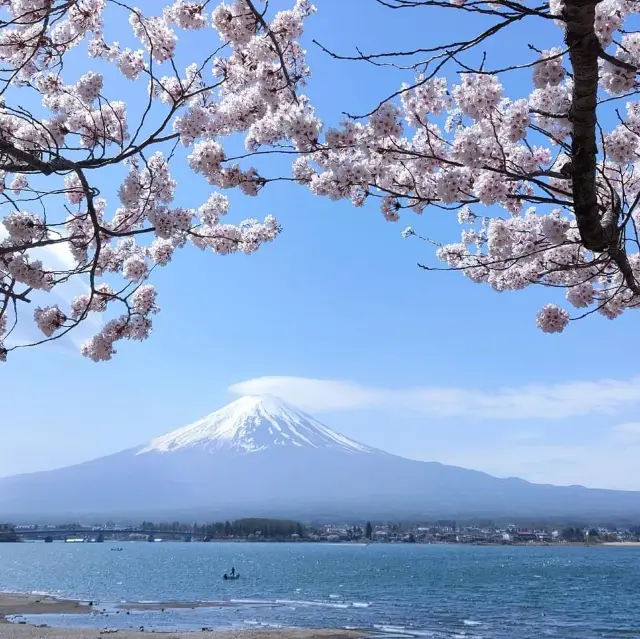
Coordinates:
(269, 33)
(87, 131)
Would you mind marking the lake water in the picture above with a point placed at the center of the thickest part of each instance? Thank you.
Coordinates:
(401, 590)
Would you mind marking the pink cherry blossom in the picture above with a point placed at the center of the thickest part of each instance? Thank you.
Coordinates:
(49, 319)
(552, 319)
(143, 300)
(135, 268)
(187, 15)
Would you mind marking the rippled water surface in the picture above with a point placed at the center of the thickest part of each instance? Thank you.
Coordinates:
(402, 590)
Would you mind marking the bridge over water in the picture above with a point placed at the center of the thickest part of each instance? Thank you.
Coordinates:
(100, 535)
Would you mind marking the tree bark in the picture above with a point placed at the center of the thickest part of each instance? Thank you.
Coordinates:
(598, 232)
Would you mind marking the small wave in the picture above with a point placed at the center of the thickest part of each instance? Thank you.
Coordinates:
(471, 622)
(252, 602)
(403, 631)
(298, 602)
(321, 604)
(334, 596)
(261, 624)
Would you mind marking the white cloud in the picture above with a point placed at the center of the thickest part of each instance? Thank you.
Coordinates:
(523, 436)
(540, 401)
(313, 395)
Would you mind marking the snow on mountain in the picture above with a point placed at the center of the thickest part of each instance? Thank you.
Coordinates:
(251, 424)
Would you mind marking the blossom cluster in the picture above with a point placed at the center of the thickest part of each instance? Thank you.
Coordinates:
(463, 145)
(250, 87)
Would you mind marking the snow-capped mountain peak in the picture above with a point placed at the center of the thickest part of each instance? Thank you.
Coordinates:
(251, 424)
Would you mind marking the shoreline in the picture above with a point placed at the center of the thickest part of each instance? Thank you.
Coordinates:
(20, 605)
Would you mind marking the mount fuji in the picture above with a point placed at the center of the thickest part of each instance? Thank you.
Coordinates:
(260, 456)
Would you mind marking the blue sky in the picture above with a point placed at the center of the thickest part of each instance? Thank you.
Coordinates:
(336, 317)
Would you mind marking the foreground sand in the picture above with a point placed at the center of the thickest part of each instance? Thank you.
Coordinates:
(34, 605)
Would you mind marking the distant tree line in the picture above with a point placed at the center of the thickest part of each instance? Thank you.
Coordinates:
(576, 533)
(261, 528)
(368, 533)
(573, 533)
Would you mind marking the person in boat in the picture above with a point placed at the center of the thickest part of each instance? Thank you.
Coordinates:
(225, 576)
(233, 572)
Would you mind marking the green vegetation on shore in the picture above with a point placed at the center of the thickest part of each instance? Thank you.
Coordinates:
(262, 528)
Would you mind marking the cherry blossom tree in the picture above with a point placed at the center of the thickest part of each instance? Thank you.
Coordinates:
(64, 133)
(545, 185)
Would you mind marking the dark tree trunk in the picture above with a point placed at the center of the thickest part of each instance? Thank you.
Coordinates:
(598, 231)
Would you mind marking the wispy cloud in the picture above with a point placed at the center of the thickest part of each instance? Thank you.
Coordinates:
(602, 464)
(606, 459)
(317, 395)
(628, 433)
(539, 401)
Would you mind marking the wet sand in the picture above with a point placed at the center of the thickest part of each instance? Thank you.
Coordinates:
(34, 605)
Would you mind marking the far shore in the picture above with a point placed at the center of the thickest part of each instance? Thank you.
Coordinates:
(19, 605)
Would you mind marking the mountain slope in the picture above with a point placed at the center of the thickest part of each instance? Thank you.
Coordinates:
(260, 456)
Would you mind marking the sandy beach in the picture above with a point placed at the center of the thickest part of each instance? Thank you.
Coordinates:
(33, 605)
